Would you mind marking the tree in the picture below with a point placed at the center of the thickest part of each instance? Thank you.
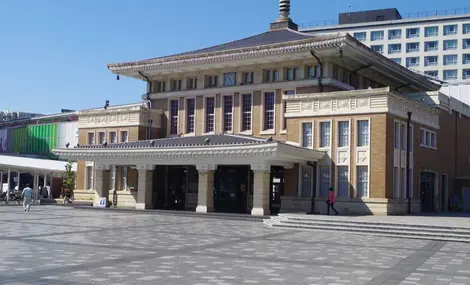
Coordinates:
(69, 180)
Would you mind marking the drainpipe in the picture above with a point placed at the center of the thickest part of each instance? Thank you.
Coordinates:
(320, 76)
(408, 132)
(355, 72)
(312, 206)
(150, 85)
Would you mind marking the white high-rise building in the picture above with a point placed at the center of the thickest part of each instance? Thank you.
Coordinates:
(433, 43)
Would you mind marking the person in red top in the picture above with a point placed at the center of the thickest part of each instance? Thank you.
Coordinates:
(331, 201)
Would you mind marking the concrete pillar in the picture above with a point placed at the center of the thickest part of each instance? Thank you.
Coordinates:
(36, 186)
(145, 187)
(102, 174)
(205, 191)
(18, 180)
(261, 184)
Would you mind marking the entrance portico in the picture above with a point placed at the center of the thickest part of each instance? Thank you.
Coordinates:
(209, 154)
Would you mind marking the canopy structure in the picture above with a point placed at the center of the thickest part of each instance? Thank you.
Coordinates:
(33, 165)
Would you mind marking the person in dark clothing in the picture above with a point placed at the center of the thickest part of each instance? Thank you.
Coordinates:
(331, 201)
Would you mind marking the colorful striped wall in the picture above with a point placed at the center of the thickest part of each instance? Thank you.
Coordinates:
(38, 139)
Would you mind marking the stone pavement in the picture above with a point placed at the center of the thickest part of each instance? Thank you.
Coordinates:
(61, 245)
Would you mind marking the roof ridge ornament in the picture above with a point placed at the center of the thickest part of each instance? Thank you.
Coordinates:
(284, 21)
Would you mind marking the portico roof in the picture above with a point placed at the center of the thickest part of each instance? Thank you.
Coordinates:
(33, 165)
(210, 149)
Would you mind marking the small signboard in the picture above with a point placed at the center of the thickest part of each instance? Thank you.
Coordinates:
(4, 187)
(102, 202)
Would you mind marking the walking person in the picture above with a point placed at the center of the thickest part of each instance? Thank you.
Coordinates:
(331, 201)
(27, 197)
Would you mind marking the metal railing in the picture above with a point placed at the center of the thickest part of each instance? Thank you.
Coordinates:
(412, 15)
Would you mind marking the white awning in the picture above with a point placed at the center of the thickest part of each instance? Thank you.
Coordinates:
(26, 164)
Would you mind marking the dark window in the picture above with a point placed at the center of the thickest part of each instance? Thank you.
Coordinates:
(174, 117)
(210, 114)
(269, 111)
(246, 116)
(190, 116)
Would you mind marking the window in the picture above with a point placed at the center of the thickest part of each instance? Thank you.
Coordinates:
(324, 179)
(212, 81)
(210, 114)
(450, 59)
(450, 74)
(430, 60)
(191, 83)
(343, 181)
(403, 136)
(394, 48)
(431, 46)
(450, 30)
(160, 86)
(246, 109)
(397, 135)
(343, 134)
(307, 135)
(190, 113)
(325, 132)
(292, 74)
(270, 75)
(396, 182)
(431, 31)
(335, 72)
(230, 78)
(306, 181)
(363, 133)
(466, 29)
(380, 18)
(312, 71)
(124, 178)
(465, 73)
(394, 34)
(89, 177)
(362, 181)
(412, 61)
(124, 136)
(377, 48)
(450, 44)
(432, 73)
(228, 107)
(112, 137)
(397, 60)
(361, 36)
(465, 44)
(174, 117)
(412, 33)
(91, 138)
(176, 85)
(427, 138)
(269, 111)
(248, 77)
(412, 47)
(101, 137)
(377, 35)
(466, 58)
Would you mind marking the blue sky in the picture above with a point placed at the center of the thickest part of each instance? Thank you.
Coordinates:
(53, 53)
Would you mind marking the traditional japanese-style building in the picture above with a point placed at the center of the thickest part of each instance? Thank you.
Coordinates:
(269, 123)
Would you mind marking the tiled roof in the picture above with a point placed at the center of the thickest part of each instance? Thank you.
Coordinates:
(193, 141)
(266, 38)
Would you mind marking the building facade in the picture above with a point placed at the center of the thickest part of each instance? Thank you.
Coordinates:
(268, 123)
(435, 44)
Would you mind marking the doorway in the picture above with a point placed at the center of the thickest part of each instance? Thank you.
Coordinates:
(444, 194)
(277, 189)
(177, 177)
(466, 199)
(427, 187)
(231, 187)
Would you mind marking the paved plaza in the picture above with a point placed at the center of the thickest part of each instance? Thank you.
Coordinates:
(61, 245)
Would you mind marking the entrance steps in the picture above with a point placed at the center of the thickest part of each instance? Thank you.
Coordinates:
(352, 225)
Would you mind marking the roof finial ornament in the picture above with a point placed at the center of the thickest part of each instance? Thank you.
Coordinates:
(284, 10)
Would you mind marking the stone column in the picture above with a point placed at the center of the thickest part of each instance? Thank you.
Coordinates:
(205, 189)
(145, 187)
(261, 184)
(102, 174)
(36, 186)
(18, 180)
(9, 184)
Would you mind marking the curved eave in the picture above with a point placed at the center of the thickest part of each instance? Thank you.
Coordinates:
(268, 50)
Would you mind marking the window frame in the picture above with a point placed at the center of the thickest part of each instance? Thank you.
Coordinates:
(455, 47)
(444, 33)
(368, 181)
(390, 37)
(283, 107)
(319, 138)
(381, 48)
(104, 136)
(223, 97)
(424, 144)
(378, 39)
(109, 136)
(88, 138)
(171, 116)
(265, 131)
(87, 177)
(242, 112)
(301, 133)
(453, 78)
(251, 76)
(300, 184)
(121, 133)
(426, 46)
(426, 35)
(187, 116)
(390, 51)
(205, 132)
(409, 50)
(338, 180)
(428, 63)
(447, 56)
(356, 139)
(360, 33)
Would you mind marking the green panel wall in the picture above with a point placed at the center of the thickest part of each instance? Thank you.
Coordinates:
(34, 139)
